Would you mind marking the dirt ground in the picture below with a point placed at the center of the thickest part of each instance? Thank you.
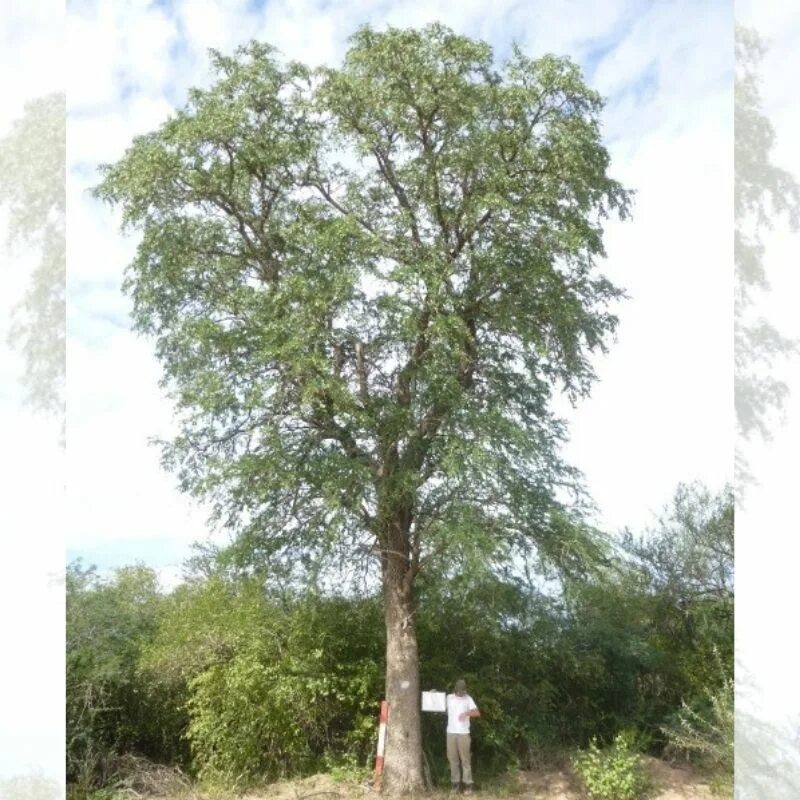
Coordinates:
(669, 782)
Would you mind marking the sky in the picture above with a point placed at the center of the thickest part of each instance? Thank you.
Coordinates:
(660, 413)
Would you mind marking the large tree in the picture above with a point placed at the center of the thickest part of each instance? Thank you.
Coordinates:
(366, 284)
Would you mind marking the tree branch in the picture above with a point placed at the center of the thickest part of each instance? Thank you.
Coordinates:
(361, 371)
(322, 419)
(387, 170)
(326, 193)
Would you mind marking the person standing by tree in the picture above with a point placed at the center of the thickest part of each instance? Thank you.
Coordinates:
(460, 709)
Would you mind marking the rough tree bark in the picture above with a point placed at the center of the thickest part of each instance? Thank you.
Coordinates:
(403, 773)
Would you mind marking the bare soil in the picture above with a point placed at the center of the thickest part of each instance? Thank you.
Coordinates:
(669, 781)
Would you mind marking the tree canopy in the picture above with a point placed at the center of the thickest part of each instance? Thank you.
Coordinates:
(366, 283)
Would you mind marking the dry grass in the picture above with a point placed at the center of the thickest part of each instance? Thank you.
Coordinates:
(141, 779)
(137, 777)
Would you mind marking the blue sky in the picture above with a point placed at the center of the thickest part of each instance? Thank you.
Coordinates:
(655, 416)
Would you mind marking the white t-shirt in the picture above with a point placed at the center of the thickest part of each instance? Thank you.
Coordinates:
(455, 707)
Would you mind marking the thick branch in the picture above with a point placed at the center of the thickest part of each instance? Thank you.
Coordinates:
(406, 374)
(361, 372)
(324, 421)
(387, 170)
(465, 237)
(430, 158)
(326, 193)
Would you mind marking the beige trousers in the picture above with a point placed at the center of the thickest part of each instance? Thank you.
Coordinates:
(459, 758)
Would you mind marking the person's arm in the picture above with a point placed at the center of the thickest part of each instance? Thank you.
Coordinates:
(472, 712)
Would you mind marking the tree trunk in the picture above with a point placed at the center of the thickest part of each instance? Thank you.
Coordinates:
(402, 771)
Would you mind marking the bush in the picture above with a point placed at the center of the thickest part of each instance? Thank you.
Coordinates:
(705, 730)
(614, 773)
(111, 709)
(272, 688)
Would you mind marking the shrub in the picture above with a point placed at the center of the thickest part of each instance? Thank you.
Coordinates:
(614, 773)
(706, 731)
(111, 708)
(273, 688)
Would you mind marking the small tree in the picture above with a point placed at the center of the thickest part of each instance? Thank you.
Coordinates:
(365, 284)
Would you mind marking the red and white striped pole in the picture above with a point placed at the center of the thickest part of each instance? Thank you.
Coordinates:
(384, 719)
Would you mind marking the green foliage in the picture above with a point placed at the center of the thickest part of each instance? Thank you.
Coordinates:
(365, 284)
(705, 731)
(621, 650)
(242, 679)
(676, 590)
(512, 644)
(349, 769)
(612, 773)
(273, 686)
(109, 708)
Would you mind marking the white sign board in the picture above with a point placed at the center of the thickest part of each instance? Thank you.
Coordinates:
(434, 701)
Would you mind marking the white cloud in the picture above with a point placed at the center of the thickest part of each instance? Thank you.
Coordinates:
(114, 49)
(215, 24)
(31, 54)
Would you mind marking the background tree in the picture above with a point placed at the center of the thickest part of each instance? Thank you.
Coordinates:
(686, 568)
(273, 685)
(32, 187)
(238, 679)
(110, 709)
(762, 192)
(365, 285)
